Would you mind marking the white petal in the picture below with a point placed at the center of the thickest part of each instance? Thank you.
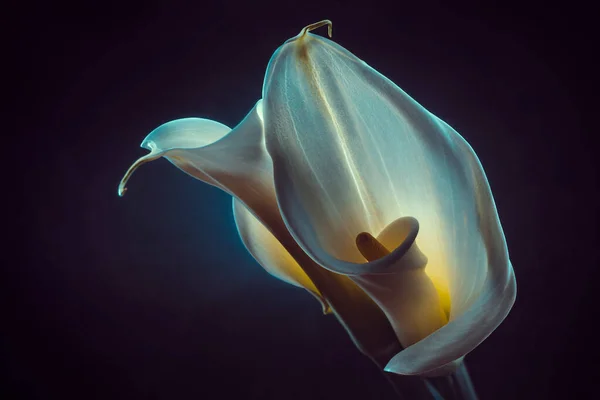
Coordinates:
(233, 160)
(238, 163)
(351, 153)
(268, 252)
(497, 297)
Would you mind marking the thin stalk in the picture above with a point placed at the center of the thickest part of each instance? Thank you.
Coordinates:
(406, 387)
(456, 386)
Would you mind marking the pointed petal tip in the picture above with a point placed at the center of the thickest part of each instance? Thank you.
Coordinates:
(142, 160)
(442, 370)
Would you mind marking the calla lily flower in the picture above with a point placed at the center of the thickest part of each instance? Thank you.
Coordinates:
(344, 185)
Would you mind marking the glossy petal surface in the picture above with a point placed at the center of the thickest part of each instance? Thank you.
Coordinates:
(352, 153)
(270, 253)
(235, 161)
(334, 154)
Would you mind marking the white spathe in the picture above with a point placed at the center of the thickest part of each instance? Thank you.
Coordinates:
(335, 149)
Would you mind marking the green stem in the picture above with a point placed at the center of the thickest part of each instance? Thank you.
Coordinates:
(456, 386)
(410, 387)
(406, 387)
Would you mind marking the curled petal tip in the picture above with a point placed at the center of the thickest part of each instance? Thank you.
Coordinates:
(142, 160)
(317, 25)
(369, 247)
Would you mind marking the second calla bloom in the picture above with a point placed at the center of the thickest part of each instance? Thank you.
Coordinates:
(346, 186)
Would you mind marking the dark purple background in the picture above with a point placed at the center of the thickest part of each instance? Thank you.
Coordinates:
(153, 296)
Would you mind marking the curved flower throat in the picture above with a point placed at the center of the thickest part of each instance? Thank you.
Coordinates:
(418, 307)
